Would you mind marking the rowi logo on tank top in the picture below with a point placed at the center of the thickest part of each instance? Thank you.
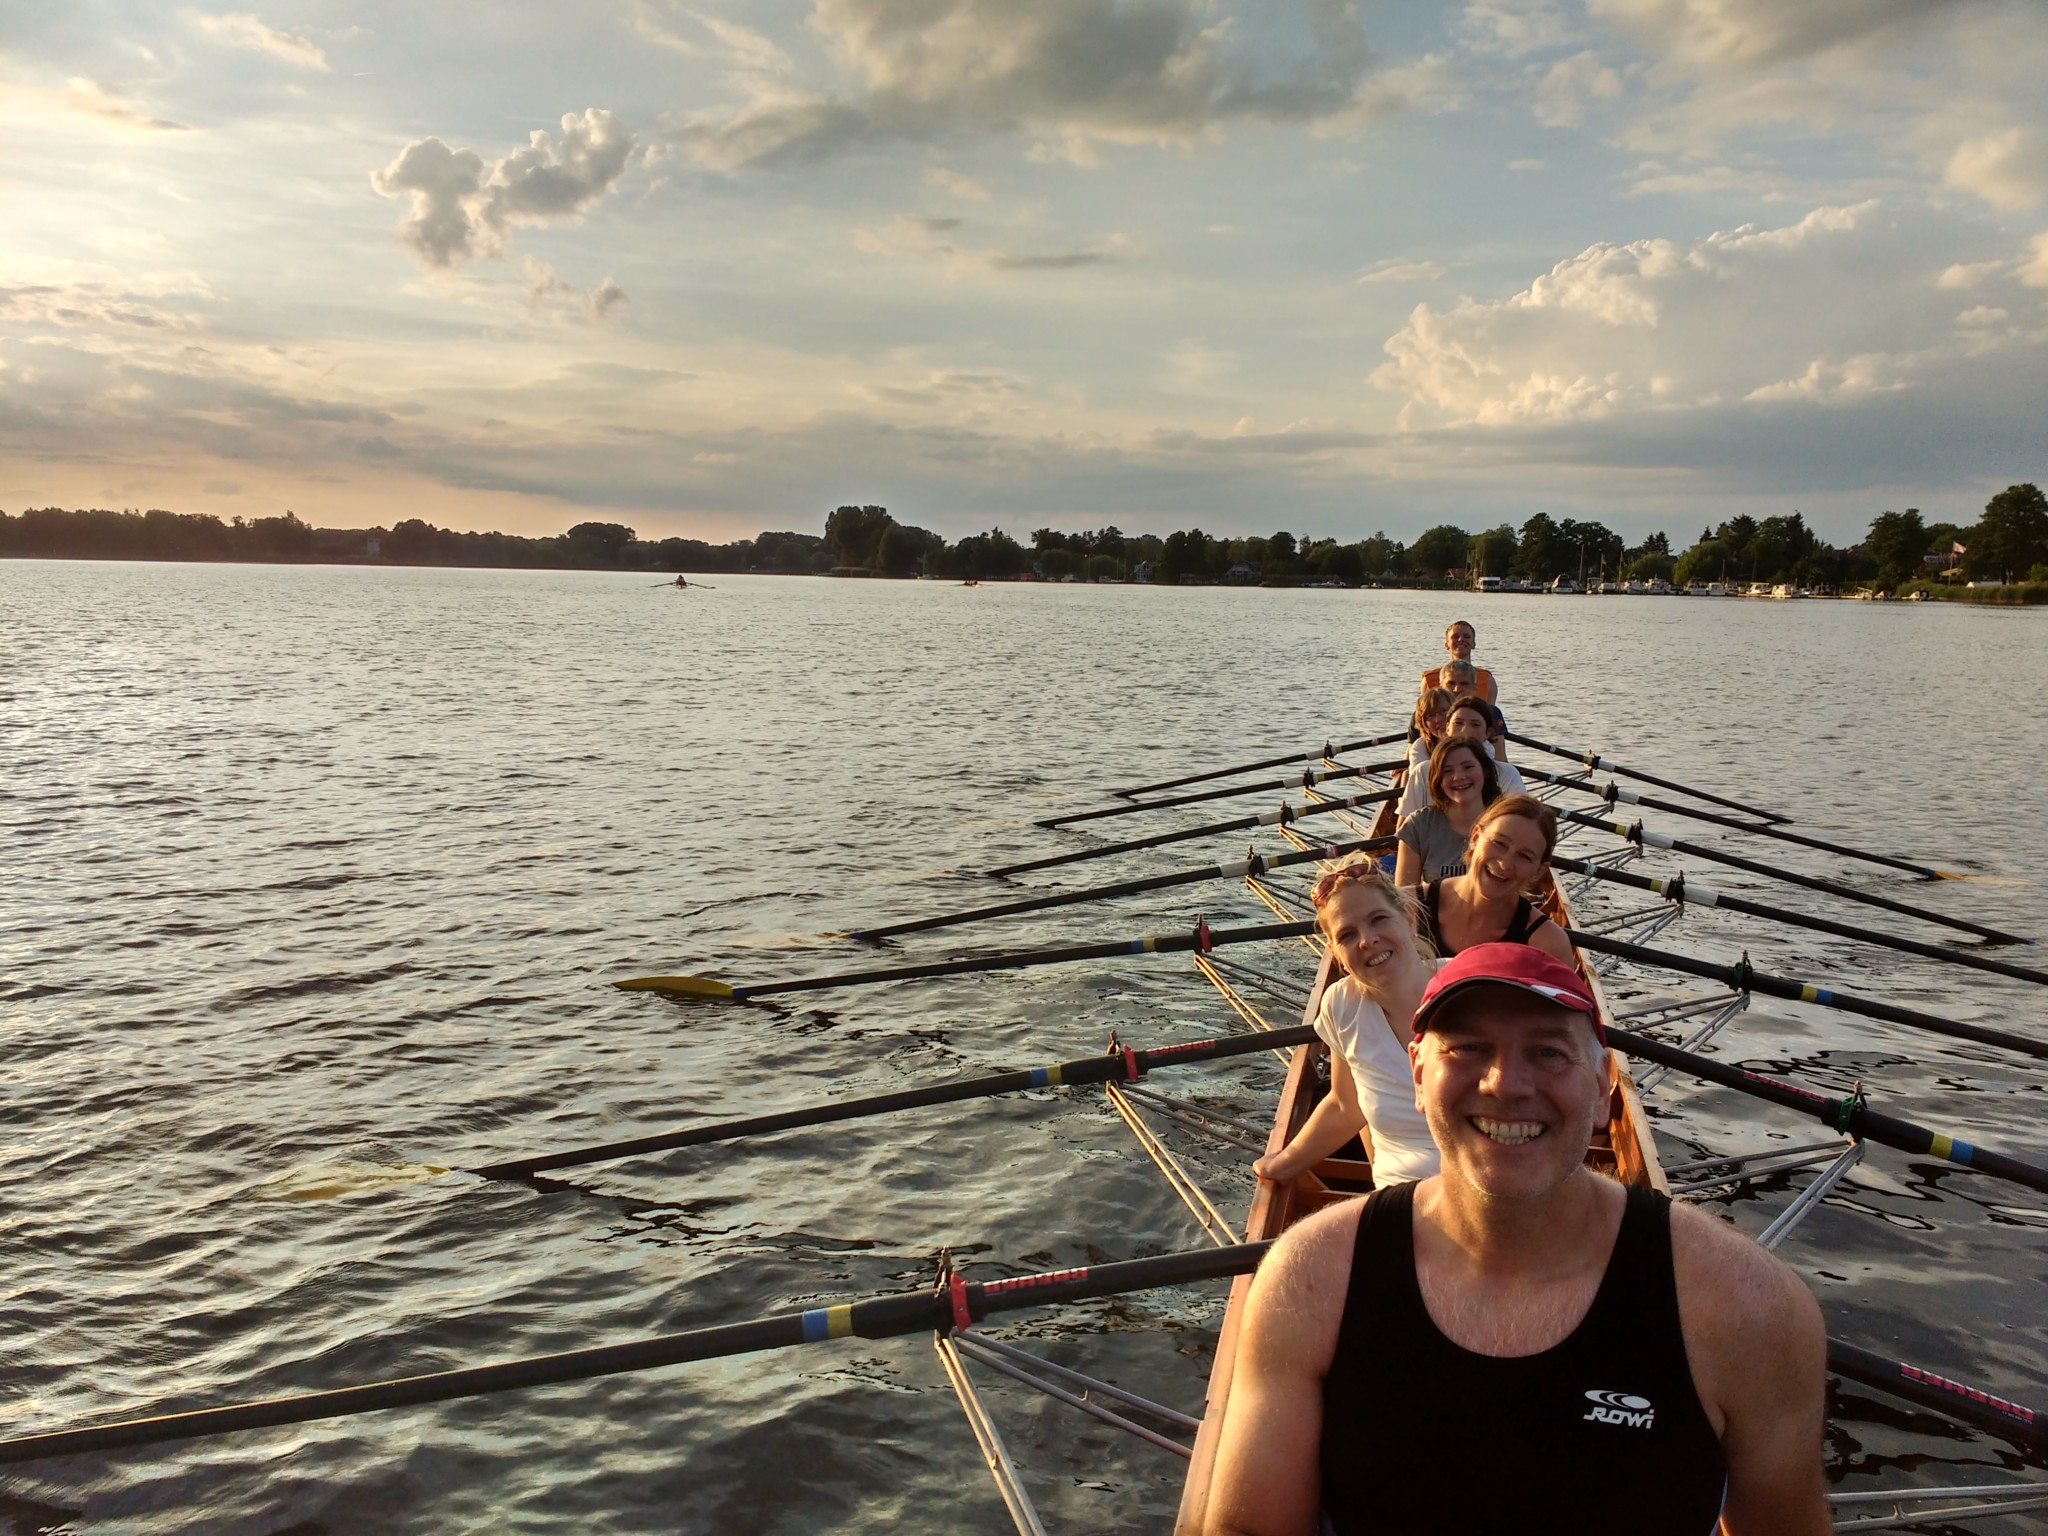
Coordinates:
(1621, 1408)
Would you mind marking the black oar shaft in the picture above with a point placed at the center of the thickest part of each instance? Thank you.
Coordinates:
(880, 1318)
(1150, 944)
(1971, 1405)
(1745, 979)
(1327, 750)
(1257, 864)
(1120, 1066)
(1598, 764)
(1280, 818)
(1678, 889)
(1851, 1116)
(1636, 833)
(1307, 779)
(1612, 794)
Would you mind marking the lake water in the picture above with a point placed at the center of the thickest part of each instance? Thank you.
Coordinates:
(317, 876)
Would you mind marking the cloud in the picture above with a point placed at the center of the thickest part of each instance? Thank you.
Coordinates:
(1512, 28)
(1967, 274)
(1983, 314)
(1569, 84)
(1071, 71)
(1396, 271)
(1830, 309)
(2034, 270)
(239, 29)
(958, 185)
(34, 105)
(544, 285)
(2008, 170)
(1742, 34)
(459, 210)
(917, 235)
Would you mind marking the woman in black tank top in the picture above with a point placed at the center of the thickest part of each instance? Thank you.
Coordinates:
(1607, 1419)
(1505, 855)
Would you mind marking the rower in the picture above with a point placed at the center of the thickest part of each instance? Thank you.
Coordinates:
(1432, 714)
(1471, 718)
(1506, 856)
(1364, 1018)
(1433, 840)
(1520, 1343)
(1458, 642)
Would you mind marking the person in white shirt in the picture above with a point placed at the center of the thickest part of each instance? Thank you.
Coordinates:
(1370, 925)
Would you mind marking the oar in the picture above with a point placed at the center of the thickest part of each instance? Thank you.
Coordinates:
(1125, 1065)
(1598, 764)
(1307, 779)
(1327, 751)
(1851, 1116)
(1612, 793)
(1635, 833)
(1677, 888)
(1252, 864)
(953, 1306)
(1201, 940)
(1971, 1405)
(1744, 978)
(1284, 816)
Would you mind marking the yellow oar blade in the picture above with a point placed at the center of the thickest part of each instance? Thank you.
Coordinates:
(677, 986)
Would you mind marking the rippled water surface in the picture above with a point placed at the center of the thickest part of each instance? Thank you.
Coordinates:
(315, 880)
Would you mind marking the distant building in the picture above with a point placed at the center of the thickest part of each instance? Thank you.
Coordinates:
(1142, 571)
(1241, 572)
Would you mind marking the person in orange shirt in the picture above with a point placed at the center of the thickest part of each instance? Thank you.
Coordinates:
(1458, 642)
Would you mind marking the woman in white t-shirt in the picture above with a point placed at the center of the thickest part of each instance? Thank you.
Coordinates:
(1369, 923)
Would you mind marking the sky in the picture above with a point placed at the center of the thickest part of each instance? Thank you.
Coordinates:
(712, 267)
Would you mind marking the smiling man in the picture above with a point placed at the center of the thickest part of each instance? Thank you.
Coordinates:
(1520, 1344)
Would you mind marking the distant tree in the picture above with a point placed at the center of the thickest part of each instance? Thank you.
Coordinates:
(601, 543)
(1103, 567)
(1185, 553)
(1708, 560)
(1894, 547)
(1057, 563)
(2011, 537)
(854, 534)
(1540, 555)
(1281, 550)
(1492, 553)
(1653, 565)
(1382, 556)
(1439, 550)
(1780, 547)
(905, 551)
(1342, 562)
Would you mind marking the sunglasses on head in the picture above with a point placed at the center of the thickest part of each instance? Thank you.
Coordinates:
(1326, 884)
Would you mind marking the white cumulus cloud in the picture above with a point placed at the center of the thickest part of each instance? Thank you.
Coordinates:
(1831, 308)
(460, 210)
(2008, 170)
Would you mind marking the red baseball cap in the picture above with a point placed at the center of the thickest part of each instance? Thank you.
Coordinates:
(1509, 965)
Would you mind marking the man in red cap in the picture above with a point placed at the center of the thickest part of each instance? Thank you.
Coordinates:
(1520, 1343)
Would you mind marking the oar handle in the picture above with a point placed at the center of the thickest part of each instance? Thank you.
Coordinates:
(1613, 794)
(1597, 764)
(1971, 1405)
(1677, 888)
(1636, 833)
(1745, 978)
(1201, 938)
(1127, 1065)
(1327, 750)
(1851, 1116)
(955, 1306)
(1254, 864)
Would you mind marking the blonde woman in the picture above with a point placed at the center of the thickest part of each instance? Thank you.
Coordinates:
(1506, 854)
(1370, 926)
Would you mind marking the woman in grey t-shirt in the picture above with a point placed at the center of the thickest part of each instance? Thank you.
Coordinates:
(1461, 785)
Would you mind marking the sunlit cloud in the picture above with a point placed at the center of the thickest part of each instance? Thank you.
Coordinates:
(240, 29)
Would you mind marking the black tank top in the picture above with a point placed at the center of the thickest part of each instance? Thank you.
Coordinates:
(1525, 921)
(1422, 1437)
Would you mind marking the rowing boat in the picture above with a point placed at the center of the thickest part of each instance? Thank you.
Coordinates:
(1622, 1148)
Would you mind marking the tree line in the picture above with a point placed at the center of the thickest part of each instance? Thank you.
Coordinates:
(2008, 543)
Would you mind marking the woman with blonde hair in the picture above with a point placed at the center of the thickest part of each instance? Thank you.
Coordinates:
(1507, 853)
(1370, 926)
